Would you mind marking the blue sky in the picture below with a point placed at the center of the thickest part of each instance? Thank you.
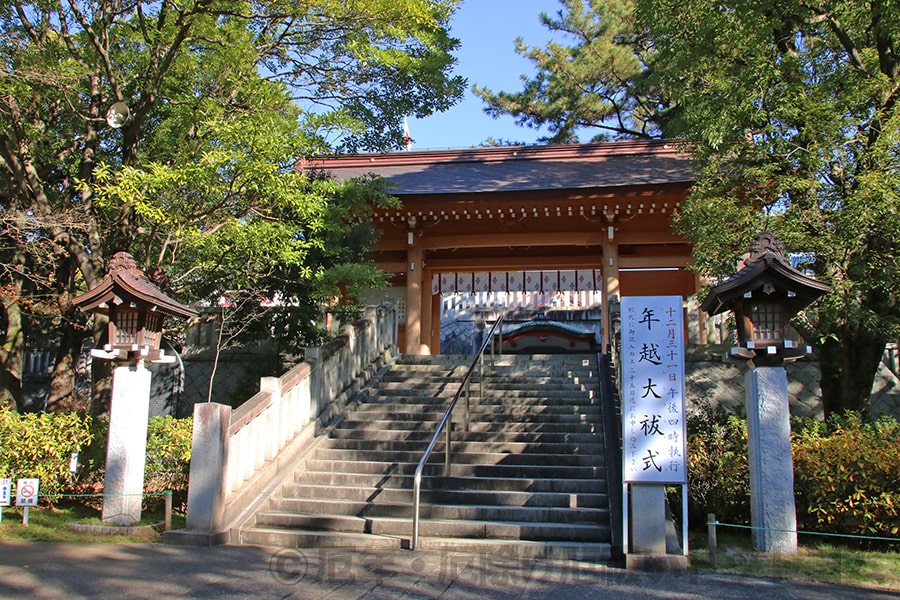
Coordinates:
(487, 30)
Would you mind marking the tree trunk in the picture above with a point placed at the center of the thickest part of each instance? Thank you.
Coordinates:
(62, 380)
(12, 355)
(101, 371)
(848, 371)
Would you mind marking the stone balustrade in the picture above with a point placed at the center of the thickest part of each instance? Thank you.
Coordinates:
(238, 456)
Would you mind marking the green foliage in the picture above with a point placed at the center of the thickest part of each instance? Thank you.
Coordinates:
(225, 100)
(168, 460)
(40, 445)
(601, 81)
(847, 475)
(718, 475)
(846, 472)
(789, 109)
(166, 468)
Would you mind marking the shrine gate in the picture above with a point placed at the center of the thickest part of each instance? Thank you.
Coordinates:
(584, 220)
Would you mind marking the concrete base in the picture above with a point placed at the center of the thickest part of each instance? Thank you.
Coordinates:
(126, 451)
(186, 537)
(656, 562)
(648, 519)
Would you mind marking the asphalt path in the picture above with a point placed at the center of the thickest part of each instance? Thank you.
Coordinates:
(70, 571)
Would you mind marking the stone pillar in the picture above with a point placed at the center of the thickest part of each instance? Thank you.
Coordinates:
(770, 461)
(126, 451)
(209, 461)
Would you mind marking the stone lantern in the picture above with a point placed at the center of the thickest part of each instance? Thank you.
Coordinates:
(136, 306)
(763, 295)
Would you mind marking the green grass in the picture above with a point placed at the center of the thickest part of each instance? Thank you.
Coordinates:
(818, 561)
(51, 524)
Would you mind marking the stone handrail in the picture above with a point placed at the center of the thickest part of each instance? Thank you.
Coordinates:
(238, 455)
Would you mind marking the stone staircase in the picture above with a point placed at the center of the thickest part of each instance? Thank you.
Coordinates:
(528, 477)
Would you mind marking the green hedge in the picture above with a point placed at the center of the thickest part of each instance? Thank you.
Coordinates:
(846, 472)
(167, 464)
(718, 476)
(847, 475)
(40, 445)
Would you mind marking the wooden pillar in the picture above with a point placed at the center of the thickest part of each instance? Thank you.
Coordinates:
(436, 323)
(413, 299)
(426, 315)
(610, 270)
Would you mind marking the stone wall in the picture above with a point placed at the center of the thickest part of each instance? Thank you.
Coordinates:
(713, 380)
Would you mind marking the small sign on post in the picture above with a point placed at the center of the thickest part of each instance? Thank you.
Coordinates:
(27, 496)
(5, 494)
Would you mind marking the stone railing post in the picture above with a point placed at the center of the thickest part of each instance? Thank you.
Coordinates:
(209, 460)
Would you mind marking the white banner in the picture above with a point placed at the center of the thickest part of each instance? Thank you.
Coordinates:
(653, 416)
(5, 491)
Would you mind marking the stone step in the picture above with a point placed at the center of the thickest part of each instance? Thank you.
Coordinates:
(511, 378)
(477, 411)
(404, 481)
(276, 508)
(398, 495)
(491, 396)
(400, 526)
(528, 474)
(536, 437)
(428, 420)
(409, 425)
(432, 469)
(520, 390)
(464, 457)
(451, 548)
(458, 445)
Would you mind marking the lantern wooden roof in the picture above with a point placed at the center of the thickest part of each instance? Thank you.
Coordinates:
(126, 284)
(766, 270)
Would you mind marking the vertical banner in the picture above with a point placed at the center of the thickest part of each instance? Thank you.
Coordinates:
(5, 491)
(653, 415)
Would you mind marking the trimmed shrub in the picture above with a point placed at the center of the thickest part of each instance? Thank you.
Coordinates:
(166, 468)
(40, 445)
(847, 475)
(718, 475)
(168, 460)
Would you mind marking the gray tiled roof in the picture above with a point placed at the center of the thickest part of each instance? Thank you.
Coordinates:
(468, 172)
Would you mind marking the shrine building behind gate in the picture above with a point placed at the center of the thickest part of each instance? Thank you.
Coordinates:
(577, 223)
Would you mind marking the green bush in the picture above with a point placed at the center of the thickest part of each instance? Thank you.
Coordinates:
(847, 475)
(40, 445)
(846, 472)
(166, 468)
(718, 475)
(168, 459)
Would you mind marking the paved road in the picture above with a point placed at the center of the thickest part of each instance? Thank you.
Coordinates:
(111, 571)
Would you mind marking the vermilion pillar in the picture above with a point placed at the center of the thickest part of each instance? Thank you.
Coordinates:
(414, 298)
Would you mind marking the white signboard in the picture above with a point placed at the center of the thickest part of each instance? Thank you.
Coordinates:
(27, 492)
(5, 491)
(653, 423)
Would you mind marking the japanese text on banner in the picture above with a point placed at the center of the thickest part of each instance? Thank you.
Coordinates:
(653, 427)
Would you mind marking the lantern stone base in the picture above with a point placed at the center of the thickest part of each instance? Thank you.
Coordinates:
(772, 508)
(123, 486)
